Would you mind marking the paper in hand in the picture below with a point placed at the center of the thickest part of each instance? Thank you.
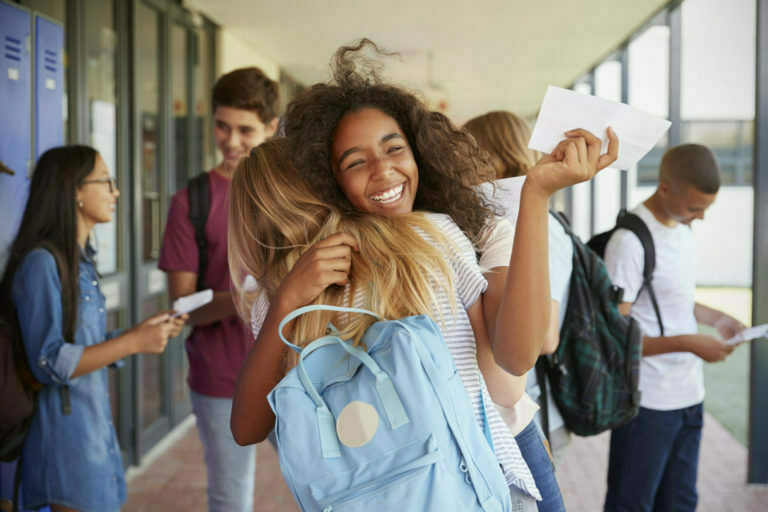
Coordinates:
(191, 302)
(748, 334)
(563, 110)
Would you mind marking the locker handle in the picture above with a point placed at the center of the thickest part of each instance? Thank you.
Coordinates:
(5, 169)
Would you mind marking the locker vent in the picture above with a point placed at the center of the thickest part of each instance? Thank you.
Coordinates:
(51, 62)
(12, 49)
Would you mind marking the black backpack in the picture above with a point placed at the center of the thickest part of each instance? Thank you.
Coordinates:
(595, 370)
(18, 387)
(199, 193)
(632, 222)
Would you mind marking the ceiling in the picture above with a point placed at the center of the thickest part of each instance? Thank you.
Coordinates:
(470, 56)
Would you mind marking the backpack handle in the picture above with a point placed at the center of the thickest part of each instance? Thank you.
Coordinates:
(317, 307)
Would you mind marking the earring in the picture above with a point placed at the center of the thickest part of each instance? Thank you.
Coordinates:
(80, 204)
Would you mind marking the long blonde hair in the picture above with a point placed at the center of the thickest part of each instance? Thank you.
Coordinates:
(402, 264)
(505, 137)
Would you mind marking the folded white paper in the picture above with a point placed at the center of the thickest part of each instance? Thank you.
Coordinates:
(191, 302)
(749, 334)
(563, 110)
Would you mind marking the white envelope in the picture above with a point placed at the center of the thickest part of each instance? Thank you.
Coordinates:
(563, 110)
(191, 302)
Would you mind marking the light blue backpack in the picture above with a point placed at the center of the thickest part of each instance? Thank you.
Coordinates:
(387, 429)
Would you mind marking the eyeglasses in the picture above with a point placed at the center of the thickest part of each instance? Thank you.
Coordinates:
(111, 181)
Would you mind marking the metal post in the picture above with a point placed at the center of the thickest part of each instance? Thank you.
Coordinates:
(592, 187)
(675, 71)
(624, 59)
(758, 380)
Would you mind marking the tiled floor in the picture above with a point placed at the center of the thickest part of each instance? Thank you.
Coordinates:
(175, 481)
(721, 483)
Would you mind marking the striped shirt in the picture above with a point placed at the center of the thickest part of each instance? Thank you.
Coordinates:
(460, 339)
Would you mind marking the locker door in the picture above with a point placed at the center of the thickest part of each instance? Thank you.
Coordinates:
(49, 85)
(15, 130)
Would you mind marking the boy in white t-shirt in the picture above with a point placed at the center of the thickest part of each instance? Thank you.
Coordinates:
(654, 458)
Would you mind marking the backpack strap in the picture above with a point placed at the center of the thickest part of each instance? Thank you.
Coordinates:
(635, 224)
(563, 220)
(486, 423)
(199, 192)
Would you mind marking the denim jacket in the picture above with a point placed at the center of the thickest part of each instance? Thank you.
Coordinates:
(70, 459)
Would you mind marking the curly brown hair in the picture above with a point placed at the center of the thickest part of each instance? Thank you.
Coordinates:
(449, 160)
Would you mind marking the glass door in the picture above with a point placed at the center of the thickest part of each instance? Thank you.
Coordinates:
(191, 80)
(182, 165)
(149, 210)
(100, 67)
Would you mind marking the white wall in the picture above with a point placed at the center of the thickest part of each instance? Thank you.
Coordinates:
(723, 238)
(234, 53)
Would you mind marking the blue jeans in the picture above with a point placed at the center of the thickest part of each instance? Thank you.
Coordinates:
(231, 467)
(536, 456)
(653, 461)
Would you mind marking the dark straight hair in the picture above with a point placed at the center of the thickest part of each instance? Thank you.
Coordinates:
(50, 222)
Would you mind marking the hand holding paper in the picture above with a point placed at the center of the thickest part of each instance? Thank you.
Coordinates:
(748, 334)
(191, 302)
(563, 110)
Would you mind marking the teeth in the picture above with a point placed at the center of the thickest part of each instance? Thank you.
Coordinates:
(389, 195)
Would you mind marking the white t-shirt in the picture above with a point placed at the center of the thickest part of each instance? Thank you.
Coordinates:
(460, 340)
(497, 249)
(674, 380)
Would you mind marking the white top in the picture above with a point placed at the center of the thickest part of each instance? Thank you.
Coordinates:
(497, 249)
(674, 380)
(460, 340)
(497, 246)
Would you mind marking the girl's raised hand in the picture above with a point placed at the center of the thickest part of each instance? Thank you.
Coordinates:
(327, 262)
(576, 159)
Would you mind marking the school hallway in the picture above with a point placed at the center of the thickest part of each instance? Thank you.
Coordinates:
(174, 477)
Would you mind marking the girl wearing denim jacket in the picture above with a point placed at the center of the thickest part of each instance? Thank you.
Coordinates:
(71, 458)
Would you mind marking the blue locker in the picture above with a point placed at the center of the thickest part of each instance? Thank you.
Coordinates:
(49, 85)
(15, 120)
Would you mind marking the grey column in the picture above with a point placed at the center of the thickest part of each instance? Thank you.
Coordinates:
(675, 71)
(758, 379)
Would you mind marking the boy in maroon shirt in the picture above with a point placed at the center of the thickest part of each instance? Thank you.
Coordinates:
(244, 106)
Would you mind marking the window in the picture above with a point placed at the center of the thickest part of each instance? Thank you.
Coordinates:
(718, 82)
(648, 89)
